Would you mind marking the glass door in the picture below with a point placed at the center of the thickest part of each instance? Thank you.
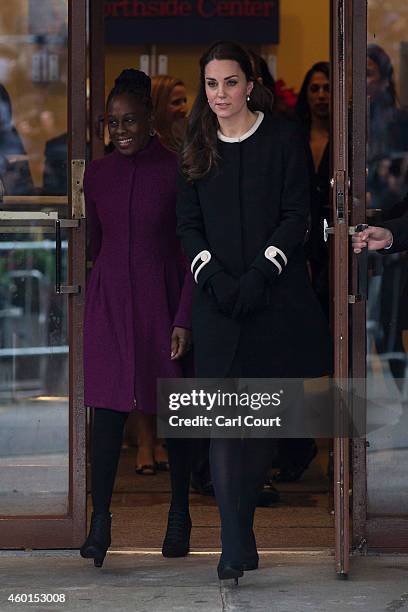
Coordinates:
(42, 255)
(380, 491)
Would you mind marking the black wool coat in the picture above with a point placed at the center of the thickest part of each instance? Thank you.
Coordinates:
(399, 229)
(256, 197)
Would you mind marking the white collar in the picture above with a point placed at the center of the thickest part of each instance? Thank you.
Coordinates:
(247, 134)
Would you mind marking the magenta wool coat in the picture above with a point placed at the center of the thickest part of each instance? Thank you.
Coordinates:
(140, 285)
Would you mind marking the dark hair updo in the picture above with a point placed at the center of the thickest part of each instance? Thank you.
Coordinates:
(134, 83)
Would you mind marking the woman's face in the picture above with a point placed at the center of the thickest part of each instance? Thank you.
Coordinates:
(374, 82)
(128, 123)
(177, 106)
(318, 95)
(226, 88)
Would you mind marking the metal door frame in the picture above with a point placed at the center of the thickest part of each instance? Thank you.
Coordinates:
(358, 215)
(340, 41)
(372, 532)
(67, 531)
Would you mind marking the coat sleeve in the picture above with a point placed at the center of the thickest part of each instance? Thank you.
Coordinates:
(183, 315)
(399, 229)
(191, 231)
(93, 224)
(295, 208)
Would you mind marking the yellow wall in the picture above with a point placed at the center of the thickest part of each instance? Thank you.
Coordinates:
(304, 40)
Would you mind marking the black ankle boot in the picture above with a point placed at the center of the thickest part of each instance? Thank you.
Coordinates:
(177, 539)
(230, 563)
(229, 571)
(250, 557)
(99, 538)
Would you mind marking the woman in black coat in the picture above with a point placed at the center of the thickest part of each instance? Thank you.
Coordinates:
(313, 111)
(242, 210)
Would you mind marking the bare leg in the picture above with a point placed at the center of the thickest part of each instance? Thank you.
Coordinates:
(145, 432)
(160, 453)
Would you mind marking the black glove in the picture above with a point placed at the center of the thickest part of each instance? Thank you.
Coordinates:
(251, 291)
(224, 289)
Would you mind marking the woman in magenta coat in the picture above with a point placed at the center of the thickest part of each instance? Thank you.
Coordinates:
(138, 299)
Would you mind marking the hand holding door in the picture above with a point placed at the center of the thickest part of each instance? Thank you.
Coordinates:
(373, 238)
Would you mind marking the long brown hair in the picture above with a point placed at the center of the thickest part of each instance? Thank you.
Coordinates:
(199, 153)
(162, 87)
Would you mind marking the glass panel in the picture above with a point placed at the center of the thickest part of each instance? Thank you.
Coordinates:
(33, 103)
(387, 306)
(34, 406)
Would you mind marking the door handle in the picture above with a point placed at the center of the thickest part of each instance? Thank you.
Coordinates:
(362, 271)
(327, 230)
(362, 267)
(362, 262)
(59, 287)
(17, 221)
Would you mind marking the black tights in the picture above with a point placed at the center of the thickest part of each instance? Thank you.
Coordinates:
(238, 469)
(107, 435)
(180, 451)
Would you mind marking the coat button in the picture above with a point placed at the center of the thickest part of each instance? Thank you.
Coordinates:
(204, 257)
(271, 252)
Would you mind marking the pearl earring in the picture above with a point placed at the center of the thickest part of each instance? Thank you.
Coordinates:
(248, 98)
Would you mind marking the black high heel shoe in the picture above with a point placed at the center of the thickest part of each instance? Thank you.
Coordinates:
(177, 539)
(229, 571)
(99, 538)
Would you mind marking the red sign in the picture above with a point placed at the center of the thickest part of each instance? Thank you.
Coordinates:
(202, 21)
(186, 8)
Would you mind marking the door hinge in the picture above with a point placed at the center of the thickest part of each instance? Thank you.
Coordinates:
(77, 188)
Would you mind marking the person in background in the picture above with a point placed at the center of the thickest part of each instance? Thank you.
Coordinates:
(55, 177)
(169, 110)
(15, 174)
(376, 238)
(391, 237)
(387, 186)
(262, 73)
(387, 151)
(242, 216)
(169, 100)
(284, 99)
(138, 298)
(313, 112)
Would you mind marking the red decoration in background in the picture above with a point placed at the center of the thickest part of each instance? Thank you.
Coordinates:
(285, 93)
